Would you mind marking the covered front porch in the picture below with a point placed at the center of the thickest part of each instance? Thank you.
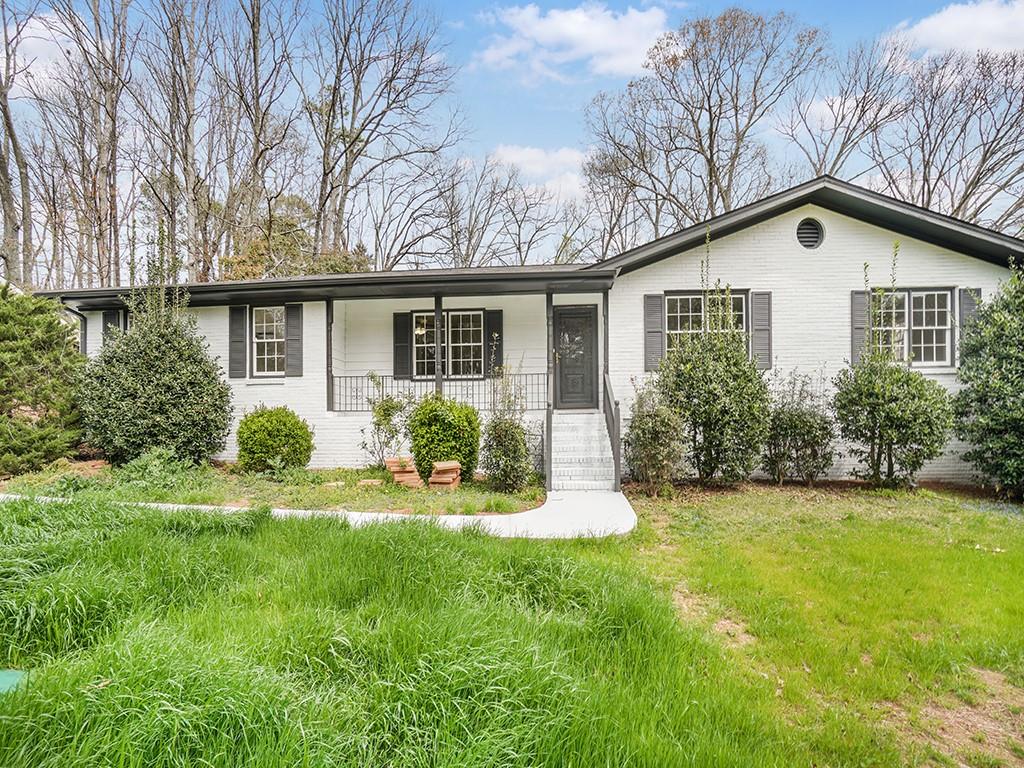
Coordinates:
(549, 349)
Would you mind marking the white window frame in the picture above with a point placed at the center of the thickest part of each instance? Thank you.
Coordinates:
(256, 342)
(447, 344)
(904, 349)
(700, 298)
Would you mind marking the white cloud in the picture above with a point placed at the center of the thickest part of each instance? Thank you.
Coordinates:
(996, 25)
(605, 41)
(559, 169)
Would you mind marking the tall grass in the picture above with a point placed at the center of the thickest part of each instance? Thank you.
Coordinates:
(192, 639)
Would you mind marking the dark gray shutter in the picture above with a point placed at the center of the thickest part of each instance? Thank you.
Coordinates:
(494, 335)
(858, 324)
(761, 329)
(970, 298)
(111, 319)
(654, 330)
(238, 341)
(292, 339)
(401, 337)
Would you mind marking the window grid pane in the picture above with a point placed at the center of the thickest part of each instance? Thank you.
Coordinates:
(890, 323)
(685, 316)
(466, 344)
(930, 320)
(268, 340)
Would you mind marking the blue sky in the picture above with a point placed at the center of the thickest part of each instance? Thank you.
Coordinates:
(528, 69)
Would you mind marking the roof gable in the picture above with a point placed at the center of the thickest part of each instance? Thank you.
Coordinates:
(841, 197)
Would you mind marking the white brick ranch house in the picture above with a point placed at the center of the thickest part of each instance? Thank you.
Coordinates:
(577, 337)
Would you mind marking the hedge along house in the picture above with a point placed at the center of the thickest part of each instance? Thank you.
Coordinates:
(575, 339)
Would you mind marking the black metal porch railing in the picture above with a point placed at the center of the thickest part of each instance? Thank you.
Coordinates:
(613, 421)
(353, 393)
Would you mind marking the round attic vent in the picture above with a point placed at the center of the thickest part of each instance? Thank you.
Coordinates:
(809, 233)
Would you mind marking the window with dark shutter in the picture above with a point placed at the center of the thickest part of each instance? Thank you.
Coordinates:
(401, 341)
(858, 324)
(761, 328)
(238, 342)
(293, 339)
(654, 330)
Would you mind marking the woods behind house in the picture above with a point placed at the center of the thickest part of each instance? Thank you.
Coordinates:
(265, 138)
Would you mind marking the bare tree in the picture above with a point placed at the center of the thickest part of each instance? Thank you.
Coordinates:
(17, 217)
(959, 146)
(531, 216)
(371, 83)
(834, 115)
(686, 140)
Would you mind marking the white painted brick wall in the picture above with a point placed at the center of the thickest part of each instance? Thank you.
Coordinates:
(810, 295)
(810, 311)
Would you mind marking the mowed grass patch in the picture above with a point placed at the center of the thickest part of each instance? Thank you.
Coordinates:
(197, 638)
(852, 602)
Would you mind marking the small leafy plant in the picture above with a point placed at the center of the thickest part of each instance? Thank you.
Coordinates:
(801, 434)
(390, 416)
(894, 418)
(441, 429)
(653, 446)
(719, 396)
(506, 452)
(273, 439)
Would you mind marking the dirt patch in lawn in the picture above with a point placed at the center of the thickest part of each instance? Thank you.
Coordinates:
(693, 608)
(988, 732)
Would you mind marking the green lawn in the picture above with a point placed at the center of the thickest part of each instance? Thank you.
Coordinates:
(296, 489)
(751, 627)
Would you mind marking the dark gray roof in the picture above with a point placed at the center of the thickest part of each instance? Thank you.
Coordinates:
(841, 197)
(476, 281)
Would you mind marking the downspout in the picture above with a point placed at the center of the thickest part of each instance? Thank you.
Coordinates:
(83, 326)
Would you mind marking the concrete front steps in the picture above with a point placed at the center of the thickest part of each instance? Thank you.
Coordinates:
(581, 454)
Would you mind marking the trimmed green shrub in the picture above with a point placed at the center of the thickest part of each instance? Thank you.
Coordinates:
(39, 363)
(653, 446)
(273, 439)
(155, 386)
(721, 400)
(506, 456)
(990, 407)
(444, 430)
(894, 418)
(801, 434)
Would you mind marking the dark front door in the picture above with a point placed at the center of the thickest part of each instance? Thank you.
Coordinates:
(575, 357)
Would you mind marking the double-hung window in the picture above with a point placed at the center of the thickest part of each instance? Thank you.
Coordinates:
(268, 341)
(462, 344)
(689, 314)
(914, 325)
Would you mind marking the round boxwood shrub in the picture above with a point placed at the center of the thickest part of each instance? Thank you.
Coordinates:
(506, 455)
(444, 430)
(894, 418)
(155, 386)
(990, 407)
(39, 363)
(272, 439)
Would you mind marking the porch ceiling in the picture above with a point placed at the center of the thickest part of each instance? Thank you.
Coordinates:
(370, 285)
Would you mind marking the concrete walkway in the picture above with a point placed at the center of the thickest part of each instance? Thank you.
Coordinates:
(563, 515)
